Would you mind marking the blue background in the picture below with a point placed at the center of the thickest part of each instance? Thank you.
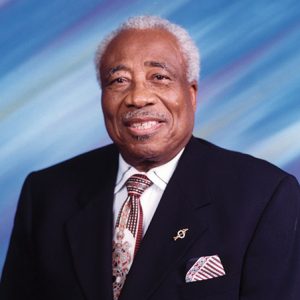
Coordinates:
(50, 101)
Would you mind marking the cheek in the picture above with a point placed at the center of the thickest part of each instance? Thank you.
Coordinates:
(109, 106)
(182, 110)
(172, 100)
(178, 104)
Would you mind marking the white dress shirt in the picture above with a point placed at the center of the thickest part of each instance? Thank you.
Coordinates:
(160, 177)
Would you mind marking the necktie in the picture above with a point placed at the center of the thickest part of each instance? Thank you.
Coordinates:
(128, 231)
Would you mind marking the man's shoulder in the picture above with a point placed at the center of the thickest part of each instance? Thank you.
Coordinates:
(87, 159)
(230, 175)
(87, 163)
(224, 161)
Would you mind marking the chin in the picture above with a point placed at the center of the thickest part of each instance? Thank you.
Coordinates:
(142, 138)
(144, 150)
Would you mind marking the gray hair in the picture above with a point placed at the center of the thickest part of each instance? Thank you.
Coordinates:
(186, 45)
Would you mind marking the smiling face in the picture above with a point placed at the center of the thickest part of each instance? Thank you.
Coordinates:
(147, 102)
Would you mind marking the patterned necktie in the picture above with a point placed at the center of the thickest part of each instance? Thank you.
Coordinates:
(128, 231)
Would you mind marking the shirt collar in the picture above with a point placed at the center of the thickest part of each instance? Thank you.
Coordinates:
(160, 175)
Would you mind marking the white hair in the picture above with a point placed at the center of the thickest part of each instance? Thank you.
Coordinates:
(186, 45)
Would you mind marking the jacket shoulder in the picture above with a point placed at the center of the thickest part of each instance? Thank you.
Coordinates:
(81, 167)
(237, 166)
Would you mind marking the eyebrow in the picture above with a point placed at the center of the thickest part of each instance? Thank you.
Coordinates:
(155, 64)
(159, 64)
(115, 69)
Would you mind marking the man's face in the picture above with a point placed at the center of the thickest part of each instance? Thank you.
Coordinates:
(148, 104)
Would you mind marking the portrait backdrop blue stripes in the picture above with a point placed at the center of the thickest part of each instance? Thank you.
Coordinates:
(50, 101)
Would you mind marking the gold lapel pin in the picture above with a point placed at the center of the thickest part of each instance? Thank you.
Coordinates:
(180, 234)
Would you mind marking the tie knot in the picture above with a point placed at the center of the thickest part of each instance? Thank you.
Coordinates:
(137, 184)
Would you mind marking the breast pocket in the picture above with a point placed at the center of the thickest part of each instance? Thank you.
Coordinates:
(220, 288)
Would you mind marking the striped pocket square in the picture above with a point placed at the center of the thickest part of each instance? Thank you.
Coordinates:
(206, 267)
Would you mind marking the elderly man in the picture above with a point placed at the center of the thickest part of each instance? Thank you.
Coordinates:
(159, 214)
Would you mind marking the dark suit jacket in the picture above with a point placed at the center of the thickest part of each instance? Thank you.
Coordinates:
(243, 209)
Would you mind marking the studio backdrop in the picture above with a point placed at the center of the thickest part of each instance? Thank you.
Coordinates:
(50, 101)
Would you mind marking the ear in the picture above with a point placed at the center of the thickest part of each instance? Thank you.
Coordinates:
(193, 93)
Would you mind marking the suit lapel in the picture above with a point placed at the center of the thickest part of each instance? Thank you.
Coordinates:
(184, 204)
(90, 232)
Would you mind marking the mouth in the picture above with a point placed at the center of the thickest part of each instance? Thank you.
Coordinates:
(144, 127)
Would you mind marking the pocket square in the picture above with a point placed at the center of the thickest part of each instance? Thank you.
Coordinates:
(206, 267)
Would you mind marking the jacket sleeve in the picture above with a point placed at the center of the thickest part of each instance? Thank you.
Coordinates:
(272, 263)
(18, 277)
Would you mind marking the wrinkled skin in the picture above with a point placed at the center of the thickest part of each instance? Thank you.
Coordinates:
(148, 104)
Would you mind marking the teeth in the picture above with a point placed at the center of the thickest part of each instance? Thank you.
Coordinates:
(144, 125)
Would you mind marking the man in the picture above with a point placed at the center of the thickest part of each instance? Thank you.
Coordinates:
(159, 214)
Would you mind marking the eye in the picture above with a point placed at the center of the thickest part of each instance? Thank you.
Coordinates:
(118, 80)
(161, 77)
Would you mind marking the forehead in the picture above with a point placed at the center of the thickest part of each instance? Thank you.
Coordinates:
(143, 45)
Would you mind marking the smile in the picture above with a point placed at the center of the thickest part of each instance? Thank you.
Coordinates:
(144, 125)
(148, 127)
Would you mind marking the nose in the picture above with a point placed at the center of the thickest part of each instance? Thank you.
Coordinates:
(139, 96)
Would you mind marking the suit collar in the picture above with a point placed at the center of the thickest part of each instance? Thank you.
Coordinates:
(194, 173)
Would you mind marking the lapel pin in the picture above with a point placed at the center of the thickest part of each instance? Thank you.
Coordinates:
(180, 234)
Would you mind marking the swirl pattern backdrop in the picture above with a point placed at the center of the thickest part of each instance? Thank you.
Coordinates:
(50, 100)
